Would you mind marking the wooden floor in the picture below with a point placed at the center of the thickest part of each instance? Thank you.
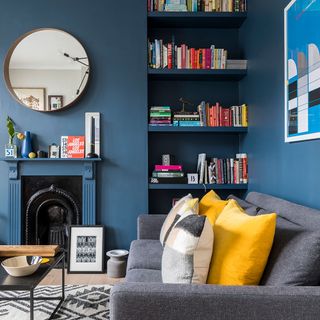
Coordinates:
(54, 278)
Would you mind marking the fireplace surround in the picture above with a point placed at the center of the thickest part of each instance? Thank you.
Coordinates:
(21, 170)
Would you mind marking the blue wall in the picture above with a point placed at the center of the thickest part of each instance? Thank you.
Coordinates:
(115, 40)
(290, 171)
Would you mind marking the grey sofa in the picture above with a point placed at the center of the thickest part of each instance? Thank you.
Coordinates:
(144, 297)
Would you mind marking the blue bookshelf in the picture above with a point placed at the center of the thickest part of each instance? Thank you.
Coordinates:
(166, 86)
(169, 186)
(171, 129)
(196, 74)
(226, 20)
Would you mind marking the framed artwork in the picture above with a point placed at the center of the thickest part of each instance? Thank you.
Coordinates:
(34, 98)
(55, 102)
(54, 151)
(302, 70)
(86, 249)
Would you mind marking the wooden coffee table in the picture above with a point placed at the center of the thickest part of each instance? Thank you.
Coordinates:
(29, 283)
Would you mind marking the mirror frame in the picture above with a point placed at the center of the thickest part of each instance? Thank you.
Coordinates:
(6, 71)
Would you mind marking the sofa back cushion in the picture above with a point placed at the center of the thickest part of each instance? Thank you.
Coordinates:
(248, 207)
(187, 252)
(241, 247)
(172, 217)
(295, 255)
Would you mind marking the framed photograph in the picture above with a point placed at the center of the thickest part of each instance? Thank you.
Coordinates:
(55, 102)
(34, 98)
(302, 70)
(54, 151)
(86, 249)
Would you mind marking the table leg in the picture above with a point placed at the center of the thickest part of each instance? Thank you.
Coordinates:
(63, 280)
(31, 305)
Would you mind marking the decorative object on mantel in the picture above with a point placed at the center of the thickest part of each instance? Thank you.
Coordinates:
(86, 249)
(61, 55)
(21, 266)
(92, 129)
(11, 150)
(42, 154)
(29, 250)
(26, 148)
(54, 151)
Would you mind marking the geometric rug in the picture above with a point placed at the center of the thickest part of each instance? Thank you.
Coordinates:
(82, 302)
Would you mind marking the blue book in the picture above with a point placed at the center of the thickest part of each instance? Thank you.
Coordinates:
(189, 124)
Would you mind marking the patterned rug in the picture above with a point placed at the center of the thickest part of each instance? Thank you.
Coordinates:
(82, 302)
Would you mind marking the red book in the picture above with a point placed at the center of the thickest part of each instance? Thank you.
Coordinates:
(225, 117)
(211, 116)
(220, 116)
(75, 147)
(183, 56)
(169, 55)
(203, 62)
(192, 58)
(159, 167)
(208, 59)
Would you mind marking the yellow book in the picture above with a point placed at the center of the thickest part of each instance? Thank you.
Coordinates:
(244, 113)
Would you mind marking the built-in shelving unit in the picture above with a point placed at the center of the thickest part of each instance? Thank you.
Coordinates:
(166, 86)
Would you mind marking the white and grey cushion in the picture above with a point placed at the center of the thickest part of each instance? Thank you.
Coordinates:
(187, 253)
(173, 216)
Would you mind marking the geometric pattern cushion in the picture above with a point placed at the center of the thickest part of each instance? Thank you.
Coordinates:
(187, 253)
(173, 217)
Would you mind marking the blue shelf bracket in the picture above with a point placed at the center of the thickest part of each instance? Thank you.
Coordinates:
(88, 172)
(13, 170)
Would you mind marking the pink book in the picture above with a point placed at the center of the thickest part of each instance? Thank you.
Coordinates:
(208, 58)
(159, 167)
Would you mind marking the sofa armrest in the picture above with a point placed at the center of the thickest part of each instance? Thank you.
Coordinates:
(149, 226)
(154, 301)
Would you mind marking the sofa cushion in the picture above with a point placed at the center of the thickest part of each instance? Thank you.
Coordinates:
(241, 247)
(295, 256)
(143, 275)
(188, 249)
(248, 207)
(173, 217)
(145, 254)
(211, 206)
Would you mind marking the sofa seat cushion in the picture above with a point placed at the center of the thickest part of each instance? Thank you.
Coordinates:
(144, 275)
(295, 256)
(145, 254)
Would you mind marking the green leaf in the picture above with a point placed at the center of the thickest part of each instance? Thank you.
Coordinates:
(10, 127)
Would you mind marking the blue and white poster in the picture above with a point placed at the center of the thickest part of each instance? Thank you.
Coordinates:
(302, 70)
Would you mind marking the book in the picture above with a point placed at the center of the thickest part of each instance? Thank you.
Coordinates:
(182, 180)
(72, 147)
(172, 174)
(168, 168)
(201, 166)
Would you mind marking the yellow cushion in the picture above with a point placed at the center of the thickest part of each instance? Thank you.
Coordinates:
(211, 206)
(241, 247)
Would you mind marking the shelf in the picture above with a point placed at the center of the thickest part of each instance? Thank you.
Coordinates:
(169, 186)
(50, 159)
(196, 19)
(171, 129)
(197, 74)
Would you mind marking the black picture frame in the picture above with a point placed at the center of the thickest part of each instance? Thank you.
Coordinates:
(95, 234)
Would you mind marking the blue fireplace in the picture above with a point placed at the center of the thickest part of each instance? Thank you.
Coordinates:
(34, 180)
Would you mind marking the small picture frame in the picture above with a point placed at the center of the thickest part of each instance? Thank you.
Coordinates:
(86, 249)
(54, 151)
(55, 102)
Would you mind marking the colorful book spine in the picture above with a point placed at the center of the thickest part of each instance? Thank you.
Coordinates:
(168, 168)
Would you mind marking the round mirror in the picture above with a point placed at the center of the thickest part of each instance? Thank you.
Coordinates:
(46, 70)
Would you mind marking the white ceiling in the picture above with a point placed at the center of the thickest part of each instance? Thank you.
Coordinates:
(44, 49)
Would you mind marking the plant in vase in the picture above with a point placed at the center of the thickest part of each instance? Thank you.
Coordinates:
(11, 148)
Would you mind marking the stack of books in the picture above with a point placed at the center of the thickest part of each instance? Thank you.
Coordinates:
(171, 56)
(160, 116)
(186, 119)
(168, 174)
(198, 5)
(223, 171)
(237, 64)
(218, 116)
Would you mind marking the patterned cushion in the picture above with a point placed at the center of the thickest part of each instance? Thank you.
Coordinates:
(188, 249)
(173, 217)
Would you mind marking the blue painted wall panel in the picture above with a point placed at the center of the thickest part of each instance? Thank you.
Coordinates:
(115, 38)
(290, 171)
